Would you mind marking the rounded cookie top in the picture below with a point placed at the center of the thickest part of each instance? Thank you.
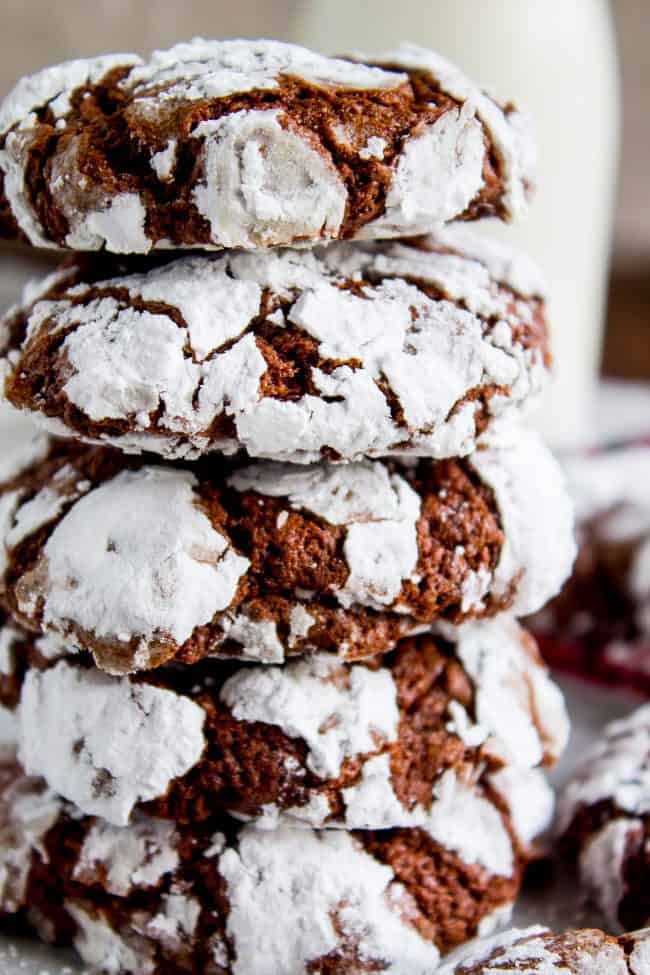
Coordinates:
(604, 818)
(344, 352)
(252, 144)
(223, 898)
(142, 563)
(314, 742)
(537, 951)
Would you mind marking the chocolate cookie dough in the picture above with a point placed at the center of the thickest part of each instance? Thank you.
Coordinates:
(315, 742)
(253, 144)
(349, 351)
(599, 624)
(604, 820)
(143, 563)
(537, 951)
(154, 898)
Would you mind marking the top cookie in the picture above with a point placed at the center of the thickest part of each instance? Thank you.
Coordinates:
(253, 144)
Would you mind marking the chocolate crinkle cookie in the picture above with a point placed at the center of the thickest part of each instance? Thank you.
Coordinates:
(316, 742)
(604, 820)
(140, 563)
(358, 350)
(600, 622)
(253, 144)
(537, 951)
(156, 898)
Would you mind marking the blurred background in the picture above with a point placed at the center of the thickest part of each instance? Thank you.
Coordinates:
(582, 66)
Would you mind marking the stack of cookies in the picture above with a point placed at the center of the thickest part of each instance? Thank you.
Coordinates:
(274, 712)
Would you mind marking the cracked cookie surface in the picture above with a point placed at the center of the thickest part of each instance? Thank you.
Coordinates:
(142, 563)
(156, 898)
(408, 347)
(253, 144)
(315, 742)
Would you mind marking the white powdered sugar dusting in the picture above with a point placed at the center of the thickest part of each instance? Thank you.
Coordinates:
(16, 460)
(536, 516)
(258, 639)
(265, 184)
(126, 859)
(176, 923)
(616, 767)
(46, 505)
(510, 133)
(437, 176)
(118, 226)
(462, 820)
(300, 623)
(105, 743)
(135, 558)
(53, 86)
(530, 800)
(639, 959)
(201, 69)
(50, 88)
(535, 951)
(145, 367)
(9, 506)
(371, 803)
(325, 889)
(163, 162)
(506, 948)
(515, 701)
(380, 511)
(9, 637)
(105, 949)
(339, 712)
(602, 864)
(30, 812)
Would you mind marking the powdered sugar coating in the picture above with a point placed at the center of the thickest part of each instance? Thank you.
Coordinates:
(31, 812)
(380, 513)
(470, 825)
(112, 744)
(264, 184)
(529, 798)
(529, 488)
(134, 567)
(286, 899)
(614, 776)
(337, 718)
(127, 859)
(431, 167)
(512, 132)
(154, 570)
(166, 375)
(520, 708)
(615, 768)
(322, 885)
(437, 176)
(352, 721)
(537, 951)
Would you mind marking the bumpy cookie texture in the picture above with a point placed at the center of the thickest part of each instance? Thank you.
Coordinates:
(315, 742)
(600, 622)
(253, 144)
(142, 563)
(604, 819)
(537, 951)
(154, 898)
(350, 351)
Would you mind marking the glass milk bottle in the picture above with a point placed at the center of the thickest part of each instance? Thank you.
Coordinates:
(558, 58)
